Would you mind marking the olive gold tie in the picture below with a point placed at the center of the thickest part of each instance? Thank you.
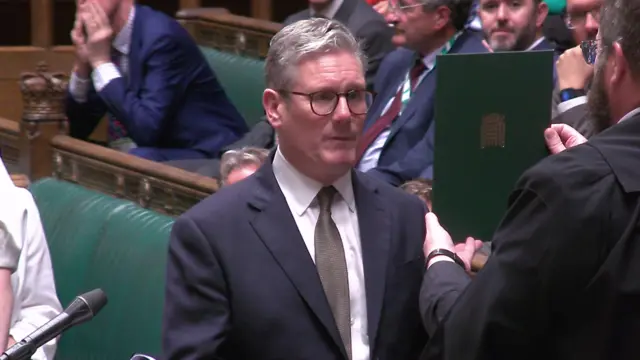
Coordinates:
(332, 266)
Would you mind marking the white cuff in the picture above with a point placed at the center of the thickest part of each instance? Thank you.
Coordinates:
(79, 88)
(569, 104)
(103, 75)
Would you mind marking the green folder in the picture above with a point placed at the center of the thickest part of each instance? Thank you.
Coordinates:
(491, 112)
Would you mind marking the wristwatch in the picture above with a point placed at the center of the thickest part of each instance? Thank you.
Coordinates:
(448, 253)
(568, 94)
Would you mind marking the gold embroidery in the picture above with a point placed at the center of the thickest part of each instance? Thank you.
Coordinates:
(492, 131)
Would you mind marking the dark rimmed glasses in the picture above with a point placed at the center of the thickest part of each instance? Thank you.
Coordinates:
(324, 103)
(579, 19)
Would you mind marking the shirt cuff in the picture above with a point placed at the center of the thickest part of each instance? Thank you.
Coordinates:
(103, 75)
(569, 104)
(79, 88)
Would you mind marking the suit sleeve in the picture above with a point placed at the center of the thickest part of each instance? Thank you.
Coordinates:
(443, 283)
(145, 112)
(417, 163)
(375, 37)
(196, 316)
(533, 273)
(578, 118)
(260, 135)
(84, 116)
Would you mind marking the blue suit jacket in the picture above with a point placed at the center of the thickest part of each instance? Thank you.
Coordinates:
(171, 99)
(242, 285)
(407, 154)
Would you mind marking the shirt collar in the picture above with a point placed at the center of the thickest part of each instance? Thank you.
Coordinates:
(630, 114)
(300, 190)
(535, 43)
(330, 11)
(122, 41)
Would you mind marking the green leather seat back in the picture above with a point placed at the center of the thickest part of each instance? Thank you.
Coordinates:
(242, 79)
(98, 241)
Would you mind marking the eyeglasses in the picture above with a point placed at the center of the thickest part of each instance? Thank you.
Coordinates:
(589, 51)
(579, 18)
(395, 7)
(324, 103)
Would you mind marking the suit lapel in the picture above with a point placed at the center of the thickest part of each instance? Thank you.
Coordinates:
(375, 237)
(276, 227)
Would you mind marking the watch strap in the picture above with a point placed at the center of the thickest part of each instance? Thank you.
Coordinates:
(568, 94)
(448, 253)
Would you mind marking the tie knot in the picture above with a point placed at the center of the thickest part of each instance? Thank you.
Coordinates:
(325, 198)
(418, 68)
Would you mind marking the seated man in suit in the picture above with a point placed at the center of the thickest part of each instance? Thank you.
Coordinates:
(514, 26)
(395, 146)
(143, 69)
(307, 258)
(365, 23)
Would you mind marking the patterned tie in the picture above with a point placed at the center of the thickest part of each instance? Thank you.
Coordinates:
(332, 266)
(115, 129)
(394, 110)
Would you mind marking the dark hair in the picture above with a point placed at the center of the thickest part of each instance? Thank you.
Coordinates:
(460, 10)
(619, 21)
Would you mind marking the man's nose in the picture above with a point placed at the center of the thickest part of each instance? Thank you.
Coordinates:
(502, 13)
(342, 111)
(591, 25)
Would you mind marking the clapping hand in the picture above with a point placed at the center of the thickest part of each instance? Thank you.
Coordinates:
(99, 33)
(560, 137)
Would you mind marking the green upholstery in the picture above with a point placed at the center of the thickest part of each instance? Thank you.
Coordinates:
(242, 79)
(97, 241)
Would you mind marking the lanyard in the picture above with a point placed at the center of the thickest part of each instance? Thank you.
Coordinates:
(407, 91)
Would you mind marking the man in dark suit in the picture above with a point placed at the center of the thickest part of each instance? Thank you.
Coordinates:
(366, 24)
(147, 74)
(307, 258)
(562, 280)
(396, 145)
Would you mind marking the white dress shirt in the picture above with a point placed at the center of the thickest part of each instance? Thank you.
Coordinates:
(300, 192)
(103, 74)
(35, 301)
(371, 156)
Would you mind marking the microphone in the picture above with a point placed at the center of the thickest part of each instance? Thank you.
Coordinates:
(82, 309)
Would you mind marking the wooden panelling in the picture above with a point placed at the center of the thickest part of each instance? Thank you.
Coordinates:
(236, 7)
(281, 9)
(229, 32)
(64, 13)
(41, 23)
(15, 22)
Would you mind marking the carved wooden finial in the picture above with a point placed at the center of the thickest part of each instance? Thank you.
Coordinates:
(43, 93)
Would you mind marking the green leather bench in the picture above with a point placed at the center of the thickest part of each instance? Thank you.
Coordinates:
(243, 80)
(97, 241)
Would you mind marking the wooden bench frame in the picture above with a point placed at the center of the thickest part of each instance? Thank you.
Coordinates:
(218, 29)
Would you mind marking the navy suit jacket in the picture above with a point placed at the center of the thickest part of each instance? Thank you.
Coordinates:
(171, 98)
(407, 154)
(241, 283)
